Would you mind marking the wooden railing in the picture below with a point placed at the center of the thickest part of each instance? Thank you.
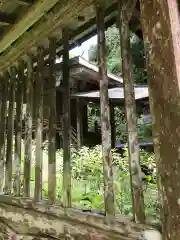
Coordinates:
(59, 130)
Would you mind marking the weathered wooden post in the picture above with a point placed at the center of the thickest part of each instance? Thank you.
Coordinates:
(105, 115)
(113, 126)
(10, 131)
(1, 89)
(125, 13)
(84, 118)
(52, 123)
(39, 125)
(66, 123)
(18, 129)
(160, 23)
(3, 121)
(28, 125)
(79, 127)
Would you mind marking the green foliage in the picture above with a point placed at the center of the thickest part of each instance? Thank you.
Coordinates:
(93, 116)
(144, 130)
(114, 55)
(87, 180)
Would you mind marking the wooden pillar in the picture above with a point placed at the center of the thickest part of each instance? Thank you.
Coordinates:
(3, 118)
(1, 89)
(28, 126)
(66, 124)
(79, 127)
(52, 124)
(10, 131)
(18, 129)
(85, 119)
(105, 116)
(130, 109)
(162, 38)
(113, 127)
(39, 125)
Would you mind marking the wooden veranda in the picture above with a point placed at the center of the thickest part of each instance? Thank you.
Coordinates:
(33, 34)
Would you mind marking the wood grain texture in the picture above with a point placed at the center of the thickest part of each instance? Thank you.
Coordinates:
(66, 123)
(54, 20)
(10, 131)
(52, 123)
(130, 109)
(31, 17)
(24, 217)
(28, 125)
(39, 125)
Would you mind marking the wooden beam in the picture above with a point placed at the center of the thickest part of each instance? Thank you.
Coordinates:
(25, 3)
(6, 19)
(38, 220)
(46, 26)
(39, 125)
(29, 19)
(52, 124)
(130, 108)
(18, 129)
(66, 124)
(105, 116)
(4, 23)
(10, 131)
(161, 40)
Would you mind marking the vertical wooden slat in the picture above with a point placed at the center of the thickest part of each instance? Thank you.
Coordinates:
(28, 125)
(1, 91)
(1, 135)
(66, 124)
(84, 119)
(52, 124)
(3, 128)
(79, 123)
(105, 116)
(18, 129)
(39, 125)
(113, 127)
(130, 108)
(10, 131)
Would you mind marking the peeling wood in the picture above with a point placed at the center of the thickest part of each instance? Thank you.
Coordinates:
(39, 125)
(105, 117)
(52, 124)
(66, 123)
(130, 108)
(38, 219)
(10, 131)
(28, 126)
(161, 40)
(18, 129)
